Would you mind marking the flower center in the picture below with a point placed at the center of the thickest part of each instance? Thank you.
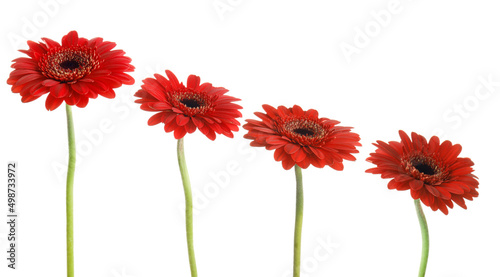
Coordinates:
(304, 132)
(191, 103)
(423, 168)
(69, 64)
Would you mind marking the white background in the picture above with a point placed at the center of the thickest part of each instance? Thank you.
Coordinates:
(417, 70)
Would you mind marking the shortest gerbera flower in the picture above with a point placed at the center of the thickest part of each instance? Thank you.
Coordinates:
(432, 171)
(183, 109)
(302, 138)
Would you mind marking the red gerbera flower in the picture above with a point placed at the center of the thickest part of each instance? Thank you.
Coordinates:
(183, 109)
(73, 71)
(431, 170)
(301, 138)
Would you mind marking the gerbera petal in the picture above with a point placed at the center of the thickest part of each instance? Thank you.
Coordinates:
(108, 94)
(299, 156)
(59, 91)
(445, 194)
(182, 119)
(297, 110)
(458, 200)
(70, 39)
(50, 82)
(179, 132)
(337, 166)
(416, 184)
(279, 154)
(157, 118)
(288, 162)
(406, 141)
(83, 102)
(193, 82)
(52, 102)
(291, 148)
(190, 127)
(173, 80)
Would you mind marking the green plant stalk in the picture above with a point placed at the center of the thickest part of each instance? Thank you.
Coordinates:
(425, 238)
(69, 193)
(299, 207)
(189, 205)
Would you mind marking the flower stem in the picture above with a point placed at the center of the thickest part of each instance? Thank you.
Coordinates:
(425, 238)
(69, 193)
(189, 205)
(299, 207)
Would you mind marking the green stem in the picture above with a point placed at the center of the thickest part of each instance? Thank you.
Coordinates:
(69, 193)
(425, 238)
(299, 207)
(189, 205)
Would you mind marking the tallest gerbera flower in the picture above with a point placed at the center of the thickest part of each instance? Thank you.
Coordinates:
(73, 71)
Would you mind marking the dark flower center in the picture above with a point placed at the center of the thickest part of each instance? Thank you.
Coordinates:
(424, 168)
(191, 103)
(304, 132)
(69, 64)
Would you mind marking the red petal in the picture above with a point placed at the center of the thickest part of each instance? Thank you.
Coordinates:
(70, 39)
(179, 132)
(406, 141)
(50, 82)
(288, 162)
(52, 103)
(299, 156)
(416, 184)
(108, 93)
(291, 148)
(193, 82)
(157, 118)
(173, 80)
(182, 120)
(83, 102)
(59, 91)
(297, 110)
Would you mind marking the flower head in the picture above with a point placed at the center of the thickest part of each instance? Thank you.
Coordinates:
(185, 108)
(432, 171)
(73, 71)
(301, 138)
